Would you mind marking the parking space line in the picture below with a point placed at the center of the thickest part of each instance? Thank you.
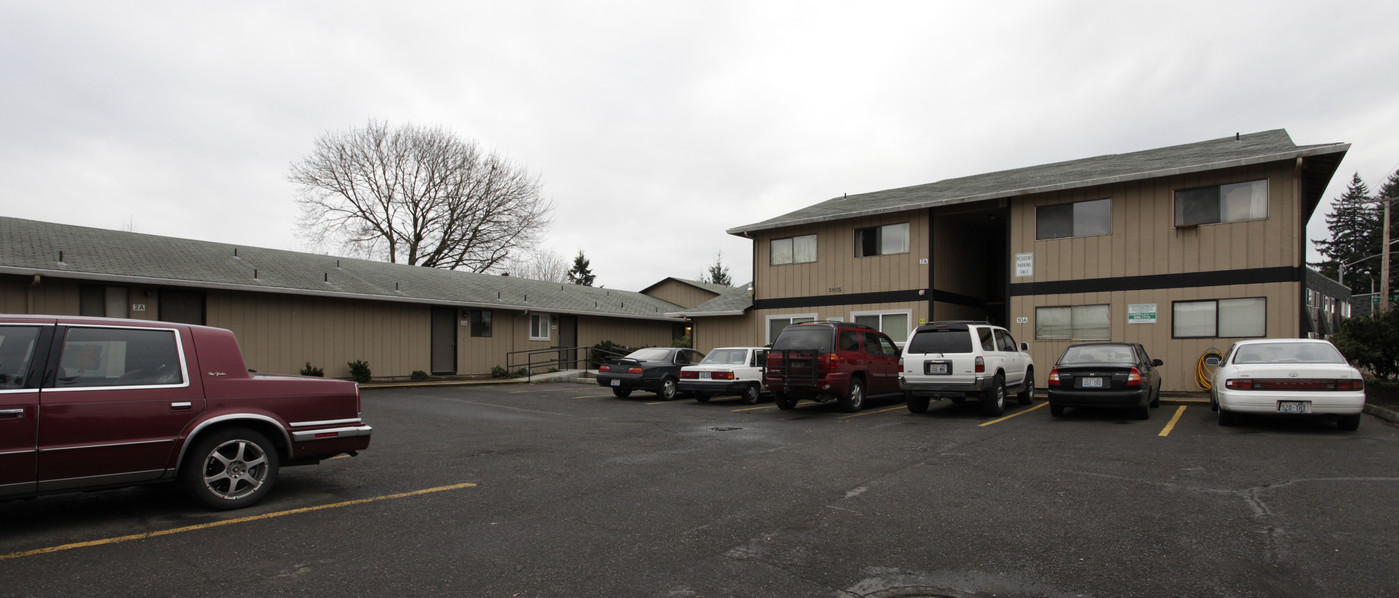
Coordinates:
(592, 396)
(754, 408)
(1171, 426)
(191, 528)
(872, 412)
(1016, 414)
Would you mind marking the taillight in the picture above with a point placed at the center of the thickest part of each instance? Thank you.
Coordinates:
(1350, 385)
(633, 370)
(1239, 384)
(604, 368)
(684, 374)
(901, 365)
(1054, 377)
(980, 365)
(1134, 377)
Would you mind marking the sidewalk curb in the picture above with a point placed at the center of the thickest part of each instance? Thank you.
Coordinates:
(1388, 415)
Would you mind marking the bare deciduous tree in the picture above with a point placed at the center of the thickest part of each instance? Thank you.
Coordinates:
(418, 196)
(538, 264)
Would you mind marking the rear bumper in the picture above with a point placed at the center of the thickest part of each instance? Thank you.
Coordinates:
(924, 386)
(723, 387)
(1107, 398)
(313, 445)
(628, 383)
(1333, 403)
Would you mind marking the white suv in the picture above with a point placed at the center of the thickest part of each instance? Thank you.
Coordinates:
(956, 360)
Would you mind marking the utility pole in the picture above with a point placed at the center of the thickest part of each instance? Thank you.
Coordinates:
(1384, 261)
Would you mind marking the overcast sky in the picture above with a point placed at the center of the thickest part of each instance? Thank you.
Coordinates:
(656, 126)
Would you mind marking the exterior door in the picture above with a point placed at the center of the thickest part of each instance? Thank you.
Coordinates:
(19, 404)
(444, 340)
(568, 339)
(114, 405)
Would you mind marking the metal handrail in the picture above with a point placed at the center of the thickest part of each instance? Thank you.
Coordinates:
(557, 357)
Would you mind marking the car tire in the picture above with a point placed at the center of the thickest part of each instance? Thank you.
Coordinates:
(1156, 398)
(701, 397)
(230, 468)
(752, 394)
(783, 401)
(993, 400)
(1349, 423)
(918, 404)
(667, 391)
(1027, 396)
(1056, 410)
(621, 393)
(1143, 412)
(854, 398)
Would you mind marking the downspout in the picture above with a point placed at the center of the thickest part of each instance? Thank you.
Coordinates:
(29, 294)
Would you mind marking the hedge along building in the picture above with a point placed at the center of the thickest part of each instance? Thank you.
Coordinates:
(1181, 249)
(290, 308)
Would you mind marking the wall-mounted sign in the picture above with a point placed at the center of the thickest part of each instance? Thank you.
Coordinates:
(1022, 319)
(1024, 264)
(1141, 313)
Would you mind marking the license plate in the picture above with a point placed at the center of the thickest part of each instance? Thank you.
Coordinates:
(933, 368)
(1294, 406)
(616, 382)
(707, 375)
(1092, 383)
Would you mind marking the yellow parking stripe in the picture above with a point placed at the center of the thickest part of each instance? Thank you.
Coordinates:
(179, 530)
(1016, 414)
(872, 412)
(1171, 426)
(755, 408)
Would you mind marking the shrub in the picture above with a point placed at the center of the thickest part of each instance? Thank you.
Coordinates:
(419, 375)
(683, 342)
(359, 371)
(499, 372)
(606, 350)
(1372, 343)
(310, 370)
(521, 373)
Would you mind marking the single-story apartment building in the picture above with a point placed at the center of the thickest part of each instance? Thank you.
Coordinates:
(289, 308)
(1181, 249)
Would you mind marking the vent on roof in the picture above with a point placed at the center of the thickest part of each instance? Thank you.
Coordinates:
(254, 273)
(235, 252)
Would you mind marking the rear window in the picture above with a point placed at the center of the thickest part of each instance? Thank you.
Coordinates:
(726, 357)
(808, 338)
(941, 341)
(650, 355)
(1099, 354)
(1288, 353)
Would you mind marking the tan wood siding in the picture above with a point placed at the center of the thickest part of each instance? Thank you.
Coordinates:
(836, 270)
(680, 294)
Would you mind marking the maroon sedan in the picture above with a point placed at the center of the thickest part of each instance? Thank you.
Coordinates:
(89, 403)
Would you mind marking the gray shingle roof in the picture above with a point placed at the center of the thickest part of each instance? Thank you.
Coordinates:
(30, 247)
(1243, 150)
(732, 302)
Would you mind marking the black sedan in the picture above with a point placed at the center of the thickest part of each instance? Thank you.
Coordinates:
(654, 370)
(1105, 375)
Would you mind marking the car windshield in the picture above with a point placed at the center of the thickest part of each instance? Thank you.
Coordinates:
(949, 340)
(650, 355)
(1098, 354)
(727, 357)
(808, 338)
(1288, 353)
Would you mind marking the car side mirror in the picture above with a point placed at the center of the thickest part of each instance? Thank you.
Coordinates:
(1156, 363)
(1025, 347)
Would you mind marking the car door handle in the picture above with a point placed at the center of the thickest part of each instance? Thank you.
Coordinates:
(11, 414)
(181, 405)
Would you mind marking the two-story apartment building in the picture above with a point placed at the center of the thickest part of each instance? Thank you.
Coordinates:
(1182, 249)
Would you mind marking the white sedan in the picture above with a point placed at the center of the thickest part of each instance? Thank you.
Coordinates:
(1288, 377)
(727, 371)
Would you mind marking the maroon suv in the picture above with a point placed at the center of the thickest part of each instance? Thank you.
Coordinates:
(89, 403)
(821, 361)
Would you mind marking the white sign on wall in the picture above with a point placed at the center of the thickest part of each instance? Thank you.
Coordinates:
(1141, 313)
(1024, 265)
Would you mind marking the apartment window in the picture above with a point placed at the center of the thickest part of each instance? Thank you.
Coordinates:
(1074, 322)
(794, 250)
(1223, 318)
(1078, 219)
(881, 240)
(539, 327)
(481, 323)
(109, 302)
(1222, 203)
(894, 324)
(777, 323)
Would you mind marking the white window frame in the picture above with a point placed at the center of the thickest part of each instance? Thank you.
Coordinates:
(906, 313)
(880, 242)
(546, 319)
(767, 328)
(1256, 209)
(1215, 333)
(1074, 219)
(1076, 333)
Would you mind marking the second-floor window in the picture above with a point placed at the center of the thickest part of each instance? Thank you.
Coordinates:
(1078, 219)
(881, 240)
(794, 250)
(1222, 203)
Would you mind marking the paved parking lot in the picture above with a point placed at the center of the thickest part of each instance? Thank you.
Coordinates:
(563, 490)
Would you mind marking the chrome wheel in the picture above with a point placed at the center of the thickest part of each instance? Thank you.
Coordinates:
(231, 468)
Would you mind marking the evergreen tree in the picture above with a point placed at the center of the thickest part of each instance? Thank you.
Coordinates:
(1354, 224)
(1388, 191)
(718, 273)
(581, 273)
